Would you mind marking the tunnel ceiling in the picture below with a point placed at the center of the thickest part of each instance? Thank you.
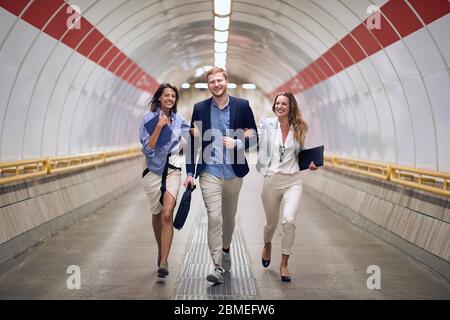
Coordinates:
(269, 42)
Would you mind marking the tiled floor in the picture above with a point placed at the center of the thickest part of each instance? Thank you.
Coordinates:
(116, 253)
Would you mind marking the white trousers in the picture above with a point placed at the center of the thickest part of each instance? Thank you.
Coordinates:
(280, 196)
(221, 200)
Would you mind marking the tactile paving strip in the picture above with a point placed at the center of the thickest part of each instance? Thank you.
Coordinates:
(192, 284)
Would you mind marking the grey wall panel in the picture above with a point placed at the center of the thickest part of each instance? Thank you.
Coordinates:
(438, 86)
(424, 125)
(14, 121)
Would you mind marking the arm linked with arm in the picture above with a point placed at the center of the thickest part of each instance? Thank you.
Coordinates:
(251, 142)
(192, 142)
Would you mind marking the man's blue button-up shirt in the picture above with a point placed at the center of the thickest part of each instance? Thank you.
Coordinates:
(219, 165)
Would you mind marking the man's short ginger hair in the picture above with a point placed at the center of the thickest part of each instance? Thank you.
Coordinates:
(215, 70)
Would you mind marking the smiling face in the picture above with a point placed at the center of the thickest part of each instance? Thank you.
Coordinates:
(167, 99)
(281, 106)
(217, 84)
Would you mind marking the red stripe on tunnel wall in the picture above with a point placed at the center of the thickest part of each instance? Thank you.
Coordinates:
(38, 17)
(430, 10)
(15, 7)
(362, 42)
(55, 16)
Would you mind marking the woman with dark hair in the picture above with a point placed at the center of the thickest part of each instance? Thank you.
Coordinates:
(280, 141)
(161, 178)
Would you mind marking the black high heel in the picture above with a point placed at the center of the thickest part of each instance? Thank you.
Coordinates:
(265, 262)
(286, 278)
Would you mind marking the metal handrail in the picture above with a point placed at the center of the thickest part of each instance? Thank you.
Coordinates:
(371, 168)
(20, 170)
(437, 182)
(432, 181)
(27, 169)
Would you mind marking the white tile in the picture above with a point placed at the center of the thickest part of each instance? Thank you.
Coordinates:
(387, 132)
(353, 128)
(384, 68)
(57, 60)
(6, 21)
(93, 79)
(340, 12)
(358, 7)
(439, 30)
(423, 125)
(35, 118)
(78, 119)
(13, 51)
(356, 74)
(373, 127)
(13, 131)
(100, 10)
(82, 4)
(7, 76)
(424, 51)
(405, 137)
(66, 120)
(52, 119)
(346, 85)
(369, 73)
(360, 134)
(438, 86)
(110, 22)
(71, 68)
(402, 61)
(84, 73)
(39, 53)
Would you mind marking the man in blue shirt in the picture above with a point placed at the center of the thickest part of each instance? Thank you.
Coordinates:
(220, 122)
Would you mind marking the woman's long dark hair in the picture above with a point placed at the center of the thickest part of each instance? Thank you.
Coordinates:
(155, 103)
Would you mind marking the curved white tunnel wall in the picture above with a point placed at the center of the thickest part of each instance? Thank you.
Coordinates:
(392, 106)
(55, 101)
(57, 97)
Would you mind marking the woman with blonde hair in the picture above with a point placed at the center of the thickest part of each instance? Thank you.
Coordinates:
(281, 139)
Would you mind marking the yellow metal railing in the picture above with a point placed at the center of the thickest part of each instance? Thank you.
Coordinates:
(432, 181)
(22, 170)
(27, 169)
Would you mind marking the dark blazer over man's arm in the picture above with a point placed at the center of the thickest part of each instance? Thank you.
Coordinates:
(191, 154)
(249, 123)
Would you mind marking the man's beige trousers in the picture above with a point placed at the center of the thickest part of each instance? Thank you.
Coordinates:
(221, 200)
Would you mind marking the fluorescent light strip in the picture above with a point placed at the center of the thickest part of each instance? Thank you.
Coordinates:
(249, 86)
(201, 85)
(221, 24)
(221, 64)
(220, 47)
(220, 36)
(222, 7)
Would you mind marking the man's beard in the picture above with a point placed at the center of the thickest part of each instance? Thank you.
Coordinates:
(223, 92)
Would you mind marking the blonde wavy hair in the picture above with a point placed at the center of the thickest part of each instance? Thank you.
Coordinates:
(295, 117)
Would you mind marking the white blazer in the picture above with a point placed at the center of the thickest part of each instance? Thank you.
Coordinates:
(267, 131)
